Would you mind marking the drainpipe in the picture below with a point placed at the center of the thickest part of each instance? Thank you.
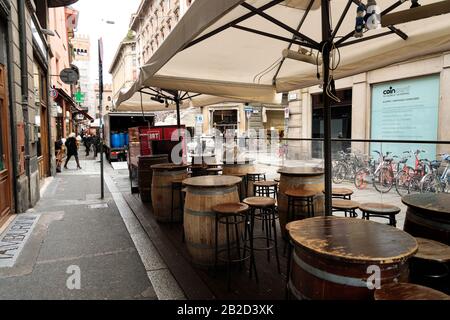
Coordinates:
(24, 85)
(12, 119)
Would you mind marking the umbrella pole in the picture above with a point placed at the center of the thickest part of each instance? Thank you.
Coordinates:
(326, 46)
(177, 102)
(177, 99)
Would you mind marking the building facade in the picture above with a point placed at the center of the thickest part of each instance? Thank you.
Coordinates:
(62, 21)
(124, 66)
(81, 48)
(404, 101)
(153, 22)
(26, 148)
(106, 99)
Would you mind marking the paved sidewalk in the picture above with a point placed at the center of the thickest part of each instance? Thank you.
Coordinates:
(76, 231)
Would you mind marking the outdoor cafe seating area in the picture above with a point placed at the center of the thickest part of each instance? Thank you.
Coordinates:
(248, 237)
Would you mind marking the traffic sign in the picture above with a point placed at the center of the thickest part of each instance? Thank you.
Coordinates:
(69, 76)
(53, 93)
(199, 119)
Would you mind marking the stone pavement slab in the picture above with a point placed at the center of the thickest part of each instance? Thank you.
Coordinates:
(73, 236)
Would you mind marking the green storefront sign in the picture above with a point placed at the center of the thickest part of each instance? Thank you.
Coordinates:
(79, 97)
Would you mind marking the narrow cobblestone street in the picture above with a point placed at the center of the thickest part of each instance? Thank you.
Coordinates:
(102, 237)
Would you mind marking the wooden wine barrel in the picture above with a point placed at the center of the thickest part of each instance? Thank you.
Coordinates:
(428, 216)
(203, 193)
(145, 174)
(302, 178)
(163, 176)
(240, 167)
(338, 258)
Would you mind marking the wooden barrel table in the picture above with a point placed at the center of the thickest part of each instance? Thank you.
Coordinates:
(301, 178)
(338, 258)
(408, 291)
(163, 176)
(428, 216)
(145, 174)
(203, 193)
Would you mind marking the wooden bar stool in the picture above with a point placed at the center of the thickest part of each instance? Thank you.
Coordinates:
(231, 214)
(252, 178)
(268, 216)
(214, 171)
(408, 291)
(346, 206)
(265, 189)
(430, 266)
(380, 210)
(298, 198)
(341, 193)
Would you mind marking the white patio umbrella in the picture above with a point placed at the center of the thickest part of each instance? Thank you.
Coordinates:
(237, 49)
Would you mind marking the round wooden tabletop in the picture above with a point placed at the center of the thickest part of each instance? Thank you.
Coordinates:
(169, 167)
(212, 181)
(438, 204)
(379, 208)
(301, 171)
(353, 240)
(432, 250)
(408, 291)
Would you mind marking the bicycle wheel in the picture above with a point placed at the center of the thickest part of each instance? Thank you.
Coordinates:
(362, 178)
(403, 181)
(430, 184)
(339, 173)
(384, 180)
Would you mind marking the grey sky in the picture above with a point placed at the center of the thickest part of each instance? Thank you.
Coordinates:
(92, 12)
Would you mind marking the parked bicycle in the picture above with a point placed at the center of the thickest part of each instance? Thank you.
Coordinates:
(347, 165)
(383, 177)
(409, 179)
(434, 181)
(364, 176)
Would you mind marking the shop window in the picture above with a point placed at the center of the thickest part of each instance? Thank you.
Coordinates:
(341, 121)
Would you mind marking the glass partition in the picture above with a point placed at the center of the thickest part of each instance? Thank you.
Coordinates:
(375, 171)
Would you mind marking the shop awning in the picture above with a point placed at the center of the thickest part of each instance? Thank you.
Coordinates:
(233, 48)
(73, 105)
(60, 3)
(141, 100)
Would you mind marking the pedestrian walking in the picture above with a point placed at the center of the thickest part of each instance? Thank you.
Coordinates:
(87, 144)
(96, 143)
(72, 150)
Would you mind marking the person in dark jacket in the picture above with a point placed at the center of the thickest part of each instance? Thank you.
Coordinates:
(88, 144)
(72, 150)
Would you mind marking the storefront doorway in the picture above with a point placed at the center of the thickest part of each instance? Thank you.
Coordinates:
(223, 120)
(41, 103)
(5, 169)
(341, 122)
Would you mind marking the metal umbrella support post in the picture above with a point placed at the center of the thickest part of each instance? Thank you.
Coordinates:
(100, 71)
(326, 46)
